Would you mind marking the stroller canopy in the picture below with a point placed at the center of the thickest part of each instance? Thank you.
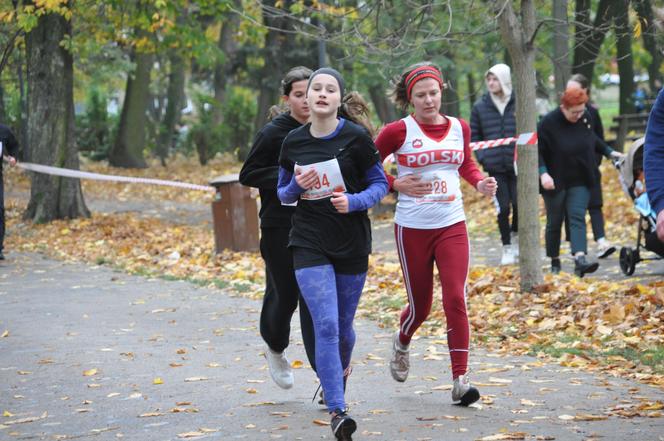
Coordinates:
(634, 157)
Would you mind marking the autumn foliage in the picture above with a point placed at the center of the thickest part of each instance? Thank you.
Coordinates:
(613, 325)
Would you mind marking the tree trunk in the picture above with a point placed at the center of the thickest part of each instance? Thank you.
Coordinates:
(129, 143)
(561, 67)
(625, 59)
(450, 102)
(175, 99)
(276, 46)
(588, 37)
(472, 92)
(3, 113)
(648, 32)
(223, 72)
(22, 123)
(51, 122)
(384, 107)
(518, 36)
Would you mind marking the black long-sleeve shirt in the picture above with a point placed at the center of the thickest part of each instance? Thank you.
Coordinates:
(9, 143)
(261, 170)
(567, 150)
(598, 128)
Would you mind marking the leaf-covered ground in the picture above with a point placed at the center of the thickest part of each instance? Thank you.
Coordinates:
(616, 326)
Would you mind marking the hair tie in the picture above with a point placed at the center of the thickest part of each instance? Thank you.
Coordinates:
(420, 73)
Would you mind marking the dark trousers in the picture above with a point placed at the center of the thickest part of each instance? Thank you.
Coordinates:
(2, 210)
(282, 295)
(595, 208)
(572, 201)
(504, 200)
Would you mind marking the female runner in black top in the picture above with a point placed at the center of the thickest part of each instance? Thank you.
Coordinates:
(261, 170)
(332, 169)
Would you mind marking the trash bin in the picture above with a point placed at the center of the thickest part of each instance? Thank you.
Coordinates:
(234, 215)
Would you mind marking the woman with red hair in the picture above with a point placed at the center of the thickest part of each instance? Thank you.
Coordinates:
(567, 146)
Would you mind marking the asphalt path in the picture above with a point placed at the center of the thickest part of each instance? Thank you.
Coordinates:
(90, 353)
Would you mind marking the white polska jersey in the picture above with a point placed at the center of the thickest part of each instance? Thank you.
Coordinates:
(437, 162)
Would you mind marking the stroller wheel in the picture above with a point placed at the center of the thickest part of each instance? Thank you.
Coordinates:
(628, 259)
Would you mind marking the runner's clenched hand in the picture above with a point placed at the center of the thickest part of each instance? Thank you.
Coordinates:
(306, 179)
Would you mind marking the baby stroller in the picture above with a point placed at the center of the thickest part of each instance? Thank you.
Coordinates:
(633, 183)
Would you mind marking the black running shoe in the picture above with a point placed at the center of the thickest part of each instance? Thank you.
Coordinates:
(343, 426)
(583, 267)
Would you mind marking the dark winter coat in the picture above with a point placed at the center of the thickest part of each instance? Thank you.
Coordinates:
(487, 123)
(567, 150)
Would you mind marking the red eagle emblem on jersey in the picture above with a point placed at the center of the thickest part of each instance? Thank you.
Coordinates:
(417, 143)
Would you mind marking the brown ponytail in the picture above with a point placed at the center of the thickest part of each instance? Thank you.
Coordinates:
(275, 111)
(355, 108)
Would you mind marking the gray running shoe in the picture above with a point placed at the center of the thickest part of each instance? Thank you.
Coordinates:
(463, 392)
(280, 368)
(400, 362)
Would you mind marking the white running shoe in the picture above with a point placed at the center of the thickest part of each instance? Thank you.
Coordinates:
(280, 368)
(604, 248)
(508, 257)
(463, 392)
(400, 362)
(514, 239)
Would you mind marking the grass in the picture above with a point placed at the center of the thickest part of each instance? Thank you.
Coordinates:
(653, 358)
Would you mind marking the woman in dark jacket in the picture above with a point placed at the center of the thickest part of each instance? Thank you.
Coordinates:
(261, 170)
(567, 146)
(604, 247)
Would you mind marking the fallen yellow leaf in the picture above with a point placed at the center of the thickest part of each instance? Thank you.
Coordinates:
(150, 414)
(190, 379)
(190, 434)
(90, 372)
(504, 436)
(589, 417)
(158, 380)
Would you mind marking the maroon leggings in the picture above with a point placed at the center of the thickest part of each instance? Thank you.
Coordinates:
(418, 250)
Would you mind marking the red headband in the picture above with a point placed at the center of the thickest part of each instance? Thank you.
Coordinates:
(419, 73)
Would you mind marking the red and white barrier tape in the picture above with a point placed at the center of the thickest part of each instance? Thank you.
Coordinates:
(523, 139)
(68, 173)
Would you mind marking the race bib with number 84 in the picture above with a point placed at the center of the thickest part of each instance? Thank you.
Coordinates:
(329, 179)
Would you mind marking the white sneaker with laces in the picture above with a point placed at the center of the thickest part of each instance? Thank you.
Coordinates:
(463, 392)
(604, 248)
(280, 368)
(514, 239)
(508, 256)
(400, 362)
